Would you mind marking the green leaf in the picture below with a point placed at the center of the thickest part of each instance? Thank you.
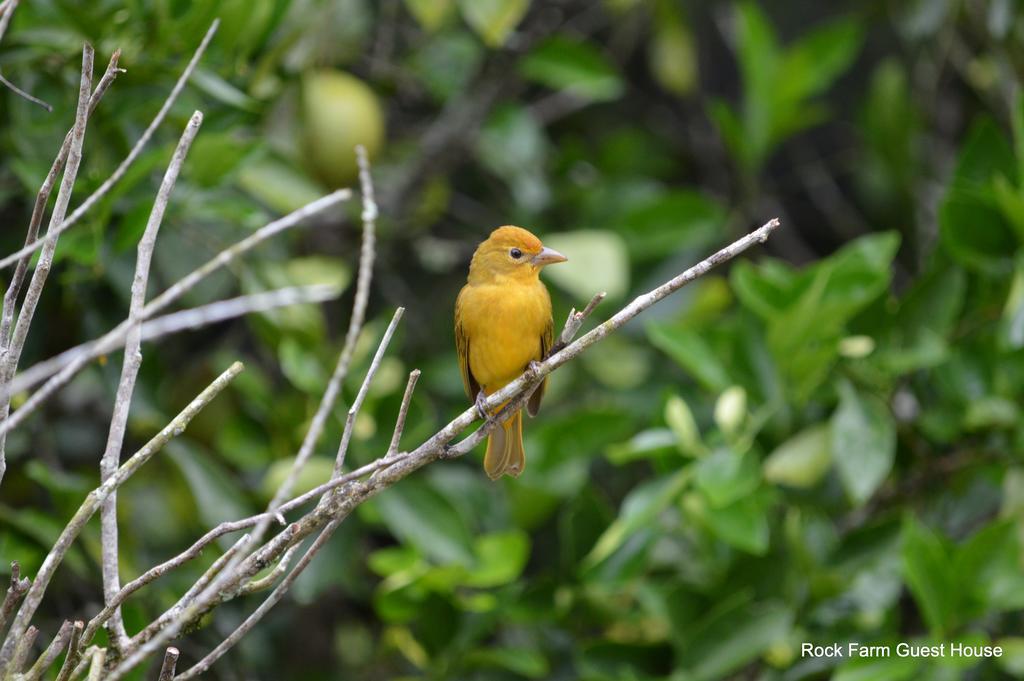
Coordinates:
(501, 557)
(872, 669)
(931, 576)
(863, 443)
(277, 184)
(522, 661)
(421, 517)
(743, 523)
(512, 145)
(802, 460)
(692, 352)
(214, 156)
(223, 91)
(725, 476)
(316, 472)
(667, 222)
(639, 508)
(1012, 660)
(818, 58)
(597, 262)
(493, 20)
(973, 228)
(730, 638)
(216, 496)
(430, 14)
(989, 569)
(301, 365)
(672, 56)
(1011, 327)
(574, 66)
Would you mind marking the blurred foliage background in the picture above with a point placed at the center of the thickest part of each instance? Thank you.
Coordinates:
(821, 442)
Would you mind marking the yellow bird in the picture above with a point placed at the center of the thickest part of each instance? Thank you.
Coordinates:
(502, 324)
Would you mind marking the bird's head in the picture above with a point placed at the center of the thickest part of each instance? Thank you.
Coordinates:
(511, 252)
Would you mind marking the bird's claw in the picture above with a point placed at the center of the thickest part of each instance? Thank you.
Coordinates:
(481, 406)
(532, 369)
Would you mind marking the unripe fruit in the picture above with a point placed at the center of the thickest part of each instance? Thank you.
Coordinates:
(339, 111)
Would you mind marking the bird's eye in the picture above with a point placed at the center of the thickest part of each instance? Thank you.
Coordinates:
(515, 253)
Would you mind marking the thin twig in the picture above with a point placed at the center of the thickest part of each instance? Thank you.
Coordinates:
(170, 662)
(24, 95)
(84, 660)
(93, 500)
(129, 373)
(120, 171)
(222, 586)
(275, 597)
(13, 348)
(193, 317)
(155, 573)
(575, 321)
(99, 656)
(362, 294)
(20, 654)
(222, 310)
(403, 411)
(19, 586)
(39, 208)
(58, 645)
(188, 598)
(341, 367)
(266, 581)
(5, 16)
(71, 661)
(71, 362)
(353, 411)
(231, 526)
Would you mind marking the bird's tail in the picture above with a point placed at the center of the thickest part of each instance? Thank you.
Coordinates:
(505, 453)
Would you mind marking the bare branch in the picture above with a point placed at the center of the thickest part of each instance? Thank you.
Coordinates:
(15, 591)
(5, 15)
(222, 310)
(185, 601)
(228, 527)
(24, 95)
(129, 373)
(71, 661)
(170, 662)
(273, 599)
(365, 276)
(93, 500)
(265, 582)
(575, 321)
(99, 656)
(42, 197)
(21, 649)
(353, 411)
(120, 171)
(403, 411)
(50, 655)
(62, 368)
(222, 588)
(13, 348)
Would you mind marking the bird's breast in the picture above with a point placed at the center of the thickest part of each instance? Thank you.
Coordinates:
(503, 324)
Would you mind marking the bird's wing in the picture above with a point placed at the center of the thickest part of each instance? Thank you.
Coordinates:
(469, 382)
(547, 337)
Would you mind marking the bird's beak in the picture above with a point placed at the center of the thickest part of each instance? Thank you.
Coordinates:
(548, 256)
